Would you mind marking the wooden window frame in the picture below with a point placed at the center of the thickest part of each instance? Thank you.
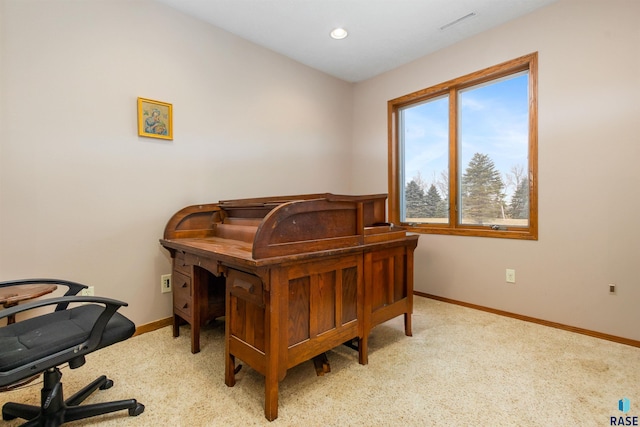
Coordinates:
(524, 63)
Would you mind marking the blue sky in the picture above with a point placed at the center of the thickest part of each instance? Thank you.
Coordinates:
(493, 120)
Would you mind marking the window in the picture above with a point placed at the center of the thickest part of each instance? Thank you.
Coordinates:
(463, 154)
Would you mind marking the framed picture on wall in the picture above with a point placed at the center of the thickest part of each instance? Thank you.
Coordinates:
(155, 119)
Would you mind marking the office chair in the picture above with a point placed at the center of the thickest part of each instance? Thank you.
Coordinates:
(42, 343)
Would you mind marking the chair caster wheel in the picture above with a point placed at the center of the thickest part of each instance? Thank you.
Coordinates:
(134, 412)
(107, 384)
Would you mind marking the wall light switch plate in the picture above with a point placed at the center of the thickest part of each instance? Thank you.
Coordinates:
(165, 283)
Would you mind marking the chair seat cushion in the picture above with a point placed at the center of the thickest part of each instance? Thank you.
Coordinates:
(31, 339)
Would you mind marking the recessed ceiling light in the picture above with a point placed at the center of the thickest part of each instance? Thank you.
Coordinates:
(339, 33)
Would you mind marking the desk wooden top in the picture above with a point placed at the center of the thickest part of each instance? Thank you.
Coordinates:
(240, 253)
(214, 245)
(12, 295)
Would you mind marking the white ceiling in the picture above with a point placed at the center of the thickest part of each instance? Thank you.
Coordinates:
(383, 34)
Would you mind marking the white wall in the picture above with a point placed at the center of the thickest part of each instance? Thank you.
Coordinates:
(83, 197)
(589, 63)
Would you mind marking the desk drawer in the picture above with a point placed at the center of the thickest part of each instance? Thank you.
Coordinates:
(245, 286)
(209, 264)
(179, 264)
(182, 293)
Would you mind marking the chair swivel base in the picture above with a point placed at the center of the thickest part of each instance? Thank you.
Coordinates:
(54, 410)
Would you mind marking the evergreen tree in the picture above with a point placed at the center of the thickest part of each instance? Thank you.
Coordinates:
(414, 201)
(482, 190)
(443, 188)
(519, 206)
(432, 201)
(442, 211)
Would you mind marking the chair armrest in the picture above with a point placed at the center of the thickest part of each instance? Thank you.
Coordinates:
(73, 288)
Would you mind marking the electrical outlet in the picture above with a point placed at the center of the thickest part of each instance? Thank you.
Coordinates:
(87, 292)
(165, 283)
(510, 276)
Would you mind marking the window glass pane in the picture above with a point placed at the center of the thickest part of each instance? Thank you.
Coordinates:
(493, 147)
(425, 142)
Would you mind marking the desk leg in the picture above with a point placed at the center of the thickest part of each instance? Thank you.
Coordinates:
(271, 396)
(363, 349)
(195, 337)
(409, 273)
(229, 369)
(276, 310)
(199, 289)
(176, 326)
(407, 325)
(10, 319)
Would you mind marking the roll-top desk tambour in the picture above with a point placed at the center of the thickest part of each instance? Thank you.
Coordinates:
(294, 277)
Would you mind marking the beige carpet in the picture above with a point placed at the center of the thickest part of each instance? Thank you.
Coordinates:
(462, 367)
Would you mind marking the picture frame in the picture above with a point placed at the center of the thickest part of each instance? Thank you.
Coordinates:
(155, 119)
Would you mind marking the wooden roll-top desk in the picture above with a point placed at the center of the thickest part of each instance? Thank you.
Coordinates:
(294, 277)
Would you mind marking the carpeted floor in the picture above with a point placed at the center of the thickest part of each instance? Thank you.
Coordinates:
(462, 367)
